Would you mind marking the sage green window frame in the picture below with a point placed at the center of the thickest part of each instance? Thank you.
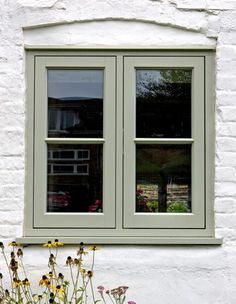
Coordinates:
(42, 218)
(122, 226)
(196, 218)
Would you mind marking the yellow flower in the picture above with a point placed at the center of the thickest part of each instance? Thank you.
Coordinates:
(83, 272)
(26, 282)
(77, 262)
(58, 289)
(16, 283)
(50, 275)
(49, 244)
(82, 251)
(93, 248)
(44, 281)
(13, 244)
(56, 243)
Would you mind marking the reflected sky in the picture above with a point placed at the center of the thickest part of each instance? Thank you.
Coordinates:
(75, 83)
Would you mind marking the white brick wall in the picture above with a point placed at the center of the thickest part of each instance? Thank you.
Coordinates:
(156, 274)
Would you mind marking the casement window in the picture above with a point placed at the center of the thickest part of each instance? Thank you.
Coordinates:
(120, 146)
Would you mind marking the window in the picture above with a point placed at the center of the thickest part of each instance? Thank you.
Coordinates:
(120, 146)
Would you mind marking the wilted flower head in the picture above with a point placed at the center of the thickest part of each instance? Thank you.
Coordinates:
(13, 265)
(52, 260)
(77, 262)
(1, 245)
(69, 261)
(60, 276)
(83, 272)
(89, 273)
(19, 252)
(119, 291)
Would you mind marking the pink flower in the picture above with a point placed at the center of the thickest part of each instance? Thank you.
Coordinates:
(131, 302)
(100, 289)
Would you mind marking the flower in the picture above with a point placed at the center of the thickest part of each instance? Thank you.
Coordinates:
(16, 283)
(56, 243)
(13, 265)
(60, 276)
(50, 275)
(93, 248)
(26, 282)
(37, 297)
(44, 281)
(81, 249)
(101, 289)
(48, 244)
(69, 261)
(131, 302)
(58, 289)
(19, 253)
(89, 273)
(77, 262)
(83, 272)
(13, 244)
(51, 260)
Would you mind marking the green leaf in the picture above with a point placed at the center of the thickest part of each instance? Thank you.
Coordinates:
(79, 300)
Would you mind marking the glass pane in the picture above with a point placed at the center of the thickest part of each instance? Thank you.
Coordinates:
(163, 103)
(74, 178)
(75, 103)
(163, 178)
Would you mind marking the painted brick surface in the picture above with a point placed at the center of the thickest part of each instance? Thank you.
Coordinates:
(156, 274)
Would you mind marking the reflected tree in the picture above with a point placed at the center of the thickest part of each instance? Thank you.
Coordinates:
(164, 110)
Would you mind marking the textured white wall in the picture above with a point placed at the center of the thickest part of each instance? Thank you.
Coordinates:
(156, 274)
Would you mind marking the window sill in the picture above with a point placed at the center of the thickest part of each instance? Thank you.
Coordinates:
(127, 240)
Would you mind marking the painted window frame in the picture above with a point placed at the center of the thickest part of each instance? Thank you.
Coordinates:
(120, 232)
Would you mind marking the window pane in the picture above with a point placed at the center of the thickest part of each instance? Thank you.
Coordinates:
(74, 183)
(75, 103)
(163, 178)
(163, 100)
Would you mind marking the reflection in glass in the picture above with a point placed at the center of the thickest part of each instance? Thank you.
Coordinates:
(75, 103)
(74, 181)
(163, 178)
(163, 108)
